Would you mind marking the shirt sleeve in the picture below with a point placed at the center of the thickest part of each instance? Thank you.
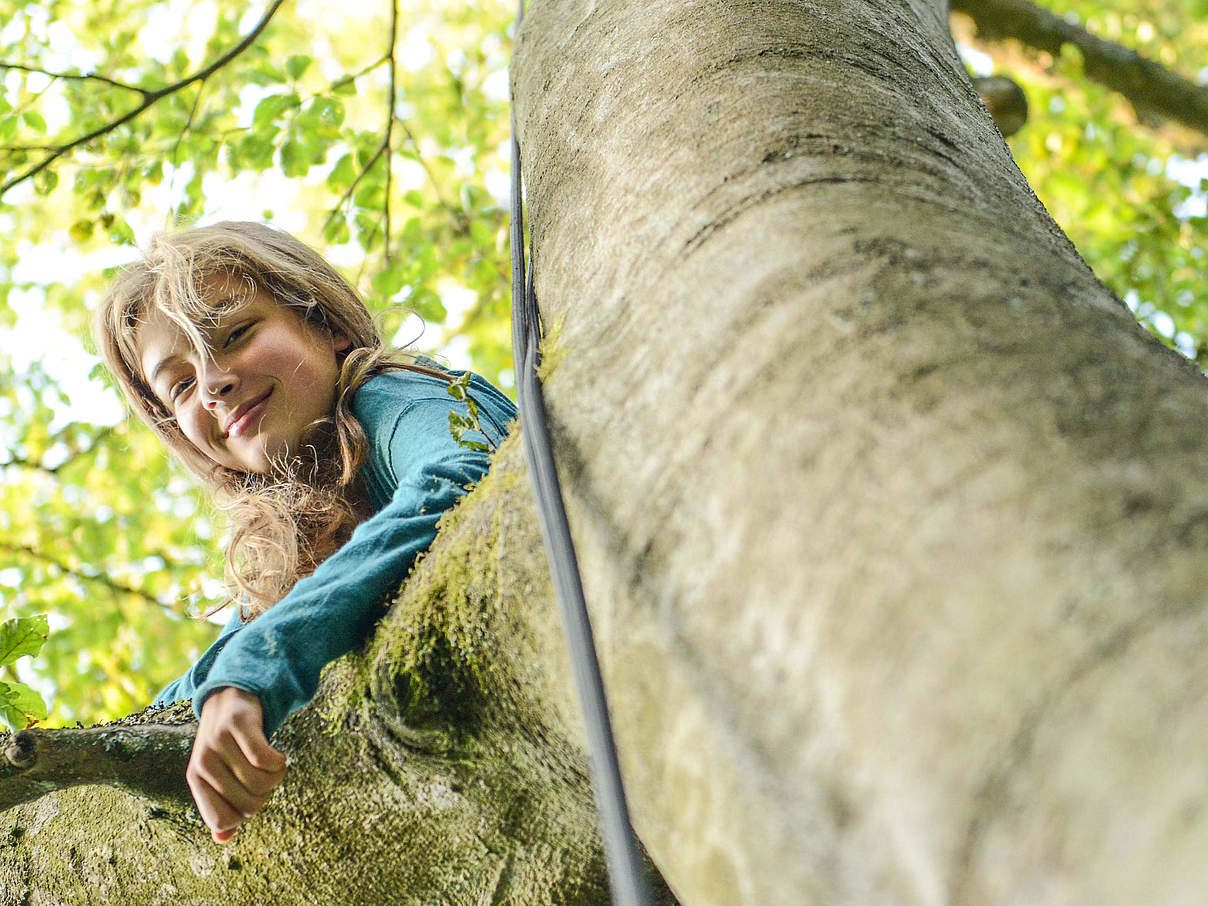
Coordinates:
(278, 656)
(183, 687)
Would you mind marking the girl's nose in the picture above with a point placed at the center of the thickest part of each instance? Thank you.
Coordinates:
(216, 386)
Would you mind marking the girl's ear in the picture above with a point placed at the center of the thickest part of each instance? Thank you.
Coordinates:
(340, 342)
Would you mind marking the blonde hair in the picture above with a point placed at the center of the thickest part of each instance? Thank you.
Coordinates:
(283, 524)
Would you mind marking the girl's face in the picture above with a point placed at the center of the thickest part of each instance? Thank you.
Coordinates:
(269, 375)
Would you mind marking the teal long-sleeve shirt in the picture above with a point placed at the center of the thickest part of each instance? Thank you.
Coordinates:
(414, 472)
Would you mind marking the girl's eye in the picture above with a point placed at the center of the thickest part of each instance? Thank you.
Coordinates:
(235, 334)
(179, 388)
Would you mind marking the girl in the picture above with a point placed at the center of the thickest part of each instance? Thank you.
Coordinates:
(261, 369)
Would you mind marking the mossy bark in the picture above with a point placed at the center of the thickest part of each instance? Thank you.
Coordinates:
(892, 522)
(440, 766)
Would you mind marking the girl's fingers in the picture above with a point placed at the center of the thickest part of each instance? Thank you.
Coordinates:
(256, 780)
(254, 747)
(212, 768)
(232, 768)
(216, 812)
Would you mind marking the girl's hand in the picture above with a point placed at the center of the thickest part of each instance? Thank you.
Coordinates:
(233, 768)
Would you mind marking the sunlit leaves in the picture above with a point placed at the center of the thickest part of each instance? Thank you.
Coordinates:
(20, 637)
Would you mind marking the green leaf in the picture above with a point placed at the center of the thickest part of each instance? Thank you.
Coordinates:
(22, 636)
(45, 182)
(325, 113)
(387, 282)
(34, 120)
(294, 160)
(272, 107)
(20, 706)
(296, 65)
(342, 174)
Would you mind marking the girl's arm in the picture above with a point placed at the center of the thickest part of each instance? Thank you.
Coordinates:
(276, 659)
(183, 687)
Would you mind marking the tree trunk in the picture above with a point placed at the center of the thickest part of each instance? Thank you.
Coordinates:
(891, 518)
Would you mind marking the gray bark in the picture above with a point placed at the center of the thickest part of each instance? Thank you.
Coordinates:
(891, 518)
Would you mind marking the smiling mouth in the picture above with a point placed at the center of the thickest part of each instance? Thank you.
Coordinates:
(245, 417)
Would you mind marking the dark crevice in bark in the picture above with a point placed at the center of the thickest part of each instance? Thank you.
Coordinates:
(735, 211)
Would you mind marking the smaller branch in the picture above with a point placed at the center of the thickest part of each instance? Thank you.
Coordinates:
(88, 77)
(1150, 87)
(188, 123)
(149, 98)
(38, 465)
(145, 760)
(463, 223)
(32, 464)
(331, 215)
(352, 77)
(390, 117)
(99, 578)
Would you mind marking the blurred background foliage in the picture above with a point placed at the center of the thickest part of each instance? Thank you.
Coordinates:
(377, 134)
(1130, 191)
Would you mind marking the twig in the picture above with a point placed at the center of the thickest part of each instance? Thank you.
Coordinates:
(149, 97)
(352, 77)
(463, 223)
(87, 77)
(331, 215)
(390, 118)
(99, 578)
(27, 463)
(188, 123)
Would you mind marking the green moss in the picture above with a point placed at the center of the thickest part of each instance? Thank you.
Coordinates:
(553, 350)
(434, 643)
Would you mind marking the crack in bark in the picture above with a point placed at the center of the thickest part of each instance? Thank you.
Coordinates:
(732, 213)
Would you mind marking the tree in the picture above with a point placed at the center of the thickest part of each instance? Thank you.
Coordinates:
(890, 515)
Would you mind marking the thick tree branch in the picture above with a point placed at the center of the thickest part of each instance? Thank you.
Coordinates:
(145, 760)
(1150, 87)
(150, 97)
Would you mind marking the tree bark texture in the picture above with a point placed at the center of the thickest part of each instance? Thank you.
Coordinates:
(892, 517)
(892, 522)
